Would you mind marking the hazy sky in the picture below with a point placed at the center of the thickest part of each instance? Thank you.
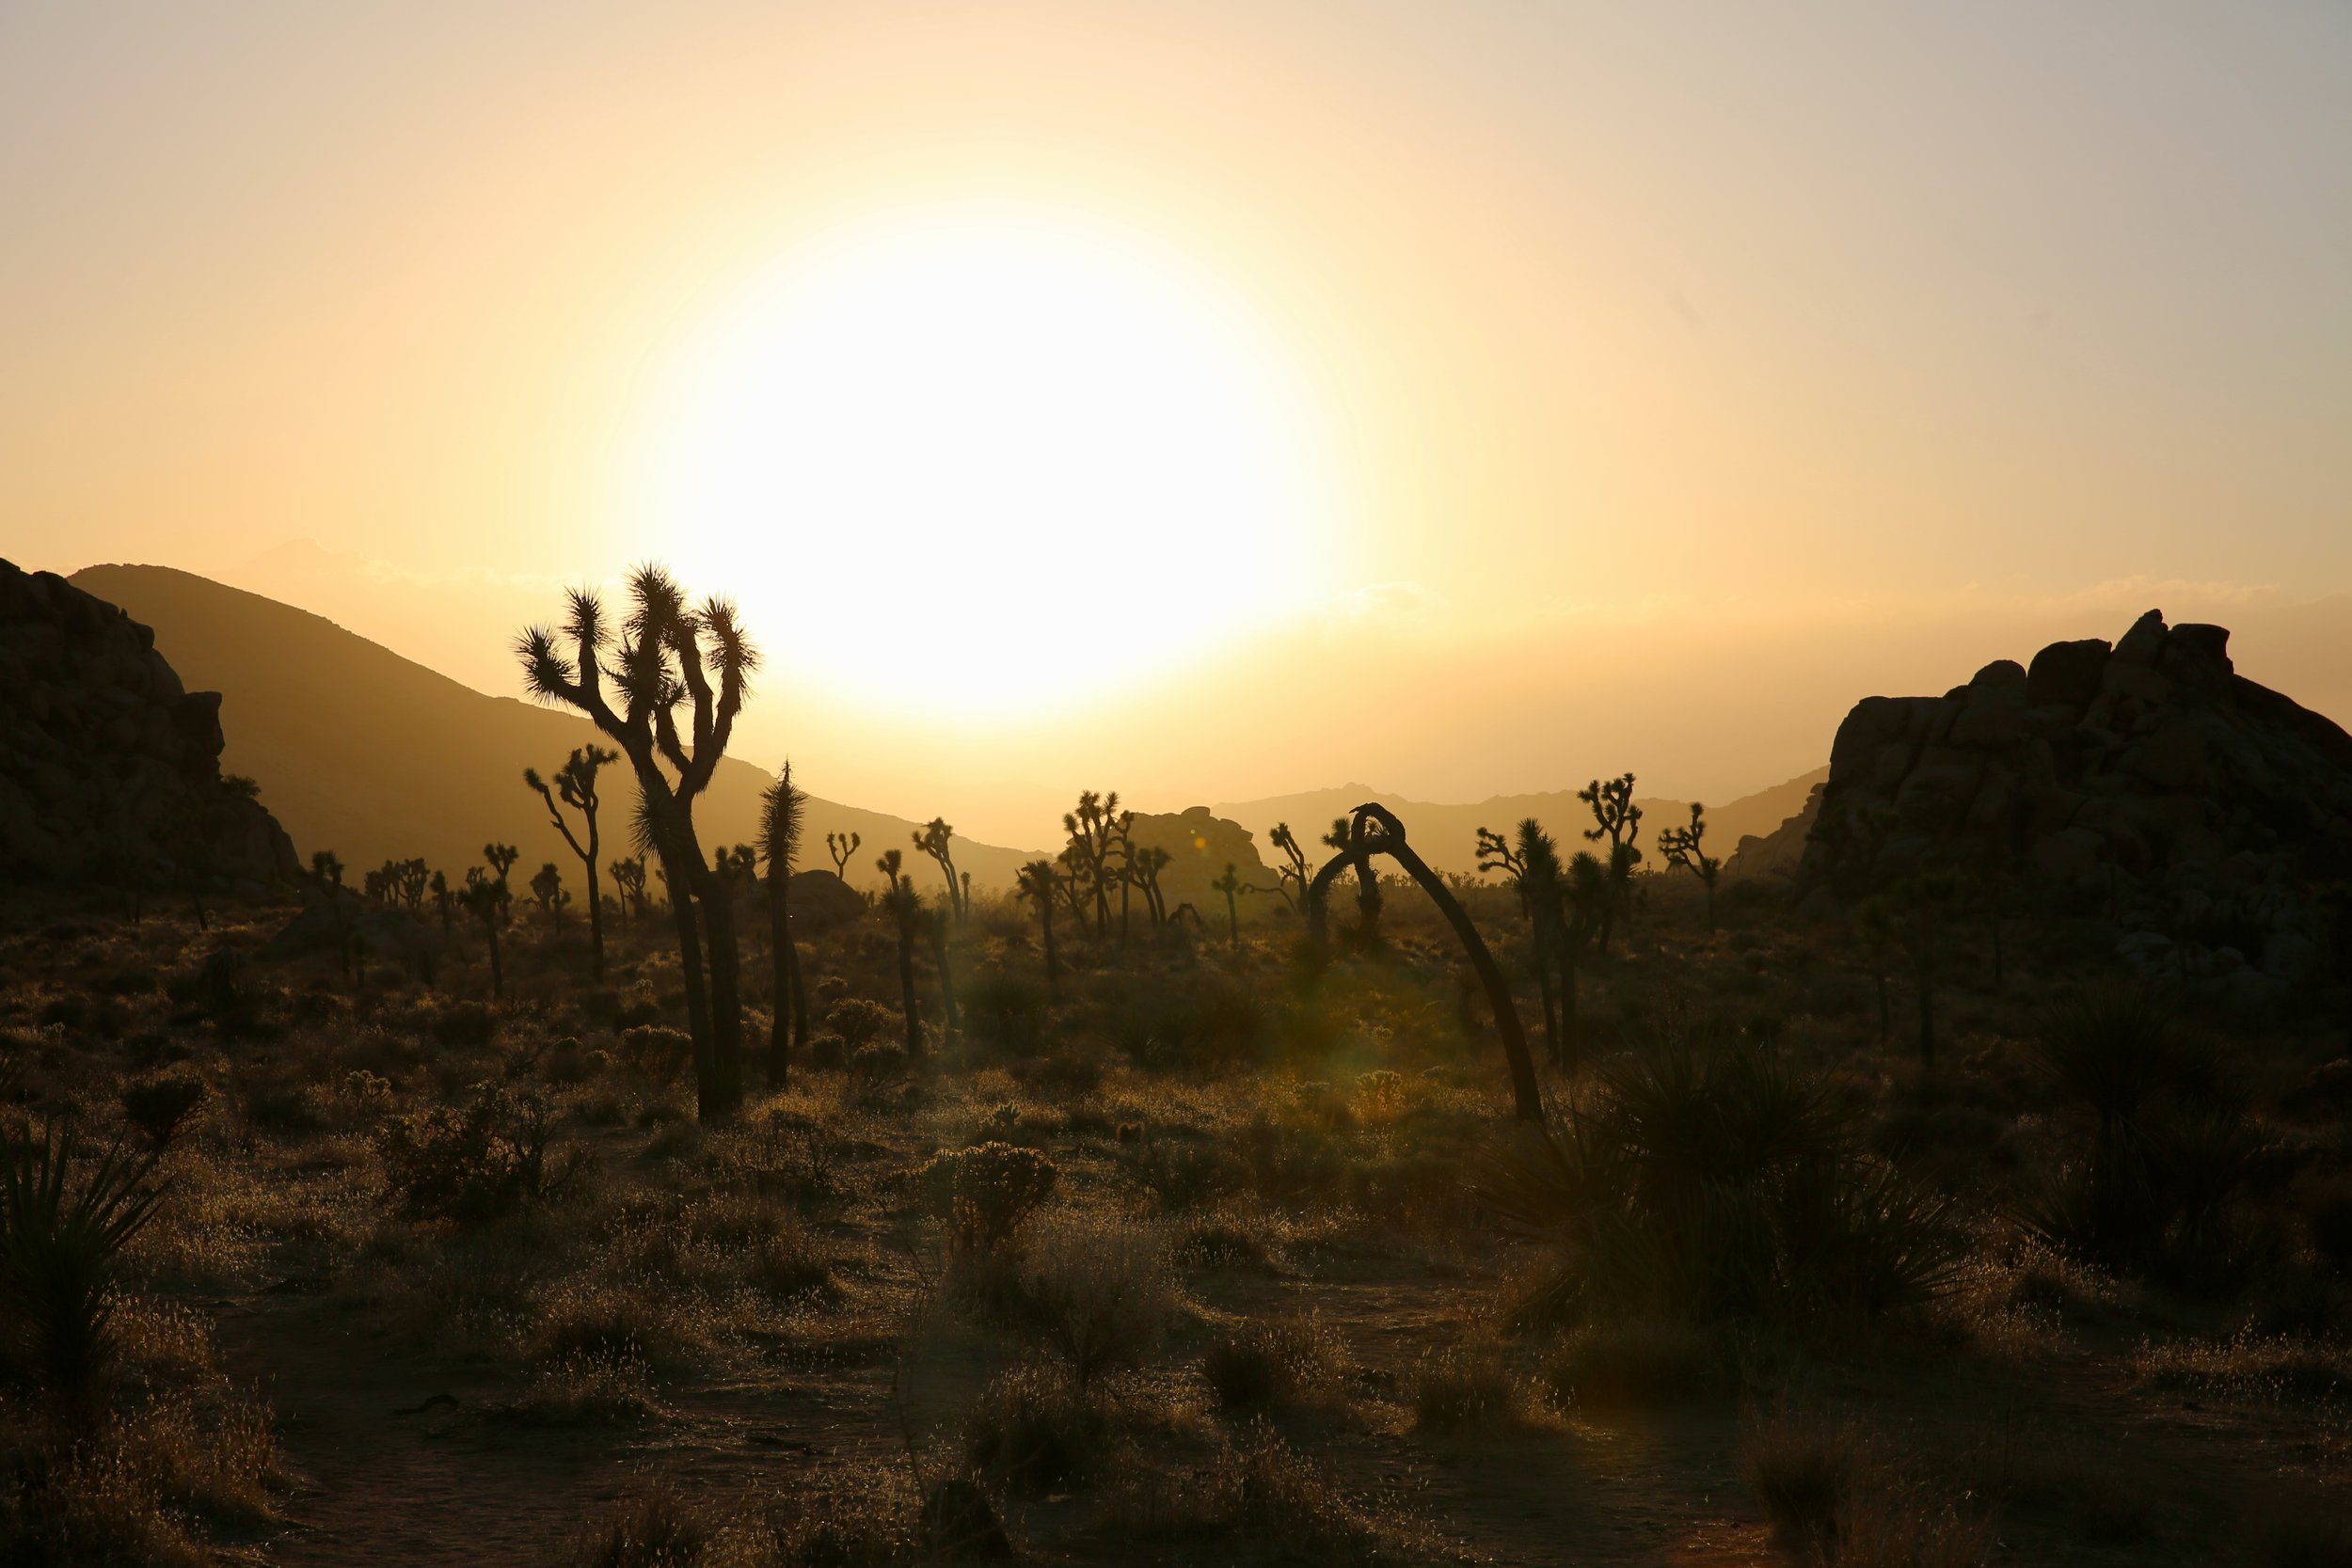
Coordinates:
(1567, 370)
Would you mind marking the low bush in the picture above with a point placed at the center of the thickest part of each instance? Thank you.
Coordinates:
(468, 1167)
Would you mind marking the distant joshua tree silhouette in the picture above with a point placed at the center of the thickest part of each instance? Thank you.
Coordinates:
(893, 867)
(1034, 882)
(327, 870)
(782, 805)
(1682, 848)
(933, 838)
(486, 899)
(547, 891)
(629, 880)
(669, 655)
(444, 901)
(1095, 830)
(1343, 838)
(576, 786)
(1231, 884)
(841, 847)
(1617, 818)
(1145, 865)
(1291, 876)
(1373, 830)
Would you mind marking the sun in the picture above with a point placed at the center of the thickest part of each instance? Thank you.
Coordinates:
(985, 463)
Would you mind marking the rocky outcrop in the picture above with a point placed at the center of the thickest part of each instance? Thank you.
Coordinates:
(109, 771)
(2147, 781)
(1200, 844)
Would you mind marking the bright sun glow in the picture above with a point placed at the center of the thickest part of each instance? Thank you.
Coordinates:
(981, 465)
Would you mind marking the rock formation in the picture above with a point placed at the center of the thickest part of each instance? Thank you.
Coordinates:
(2145, 780)
(1199, 843)
(109, 771)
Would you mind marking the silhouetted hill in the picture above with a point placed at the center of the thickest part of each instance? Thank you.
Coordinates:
(1447, 835)
(362, 751)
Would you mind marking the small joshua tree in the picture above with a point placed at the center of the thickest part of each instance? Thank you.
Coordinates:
(629, 878)
(1034, 882)
(934, 839)
(1682, 846)
(503, 858)
(1617, 818)
(841, 847)
(893, 867)
(781, 808)
(326, 868)
(486, 899)
(547, 891)
(1231, 884)
(1291, 876)
(576, 787)
(444, 901)
(905, 908)
(1144, 867)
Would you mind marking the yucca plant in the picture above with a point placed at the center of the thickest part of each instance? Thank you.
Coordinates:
(61, 1229)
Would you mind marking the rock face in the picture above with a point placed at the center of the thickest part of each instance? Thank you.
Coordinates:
(1200, 844)
(2147, 780)
(109, 771)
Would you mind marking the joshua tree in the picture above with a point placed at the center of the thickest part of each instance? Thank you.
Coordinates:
(934, 924)
(326, 867)
(443, 899)
(1344, 837)
(628, 877)
(547, 891)
(1231, 884)
(576, 786)
(933, 838)
(1496, 854)
(1095, 828)
(892, 868)
(1617, 818)
(1583, 904)
(1076, 876)
(905, 909)
(1536, 873)
(669, 656)
(781, 807)
(503, 858)
(1291, 876)
(841, 847)
(1682, 846)
(1143, 869)
(1373, 830)
(486, 899)
(1035, 882)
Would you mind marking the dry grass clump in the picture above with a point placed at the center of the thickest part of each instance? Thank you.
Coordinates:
(1035, 1429)
(1836, 1494)
(1098, 1291)
(1470, 1386)
(660, 1526)
(1282, 1364)
(2250, 1367)
(587, 1390)
(1259, 1495)
(1635, 1366)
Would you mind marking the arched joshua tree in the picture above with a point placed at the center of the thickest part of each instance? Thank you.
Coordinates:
(936, 839)
(1034, 882)
(668, 656)
(576, 786)
(1342, 837)
(1373, 830)
(781, 807)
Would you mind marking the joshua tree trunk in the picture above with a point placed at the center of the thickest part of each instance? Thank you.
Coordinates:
(1527, 1097)
(715, 897)
(786, 966)
(1125, 887)
(498, 968)
(906, 991)
(1551, 999)
(691, 974)
(1233, 921)
(949, 1018)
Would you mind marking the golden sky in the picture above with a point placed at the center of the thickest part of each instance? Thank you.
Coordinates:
(1467, 397)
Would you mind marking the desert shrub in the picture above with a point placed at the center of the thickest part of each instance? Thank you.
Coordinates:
(285, 1109)
(864, 1521)
(1639, 1365)
(1258, 1487)
(1471, 1385)
(158, 1106)
(1035, 1429)
(2251, 1367)
(2157, 1194)
(1098, 1292)
(1718, 1185)
(876, 1066)
(656, 1052)
(1181, 1175)
(1284, 1364)
(1210, 1022)
(858, 1021)
(586, 1390)
(468, 1167)
(465, 1024)
(660, 1526)
(828, 1051)
(63, 1223)
(1833, 1494)
(1007, 1012)
(985, 1192)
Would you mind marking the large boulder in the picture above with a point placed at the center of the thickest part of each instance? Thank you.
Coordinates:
(2148, 780)
(109, 769)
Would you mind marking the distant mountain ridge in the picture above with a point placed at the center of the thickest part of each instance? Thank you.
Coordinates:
(1447, 835)
(376, 757)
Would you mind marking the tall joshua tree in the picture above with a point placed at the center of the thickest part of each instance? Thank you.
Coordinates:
(1094, 829)
(576, 786)
(1373, 830)
(905, 908)
(1291, 877)
(1682, 846)
(841, 847)
(1617, 818)
(781, 808)
(632, 682)
(935, 839)
(1035, 882)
